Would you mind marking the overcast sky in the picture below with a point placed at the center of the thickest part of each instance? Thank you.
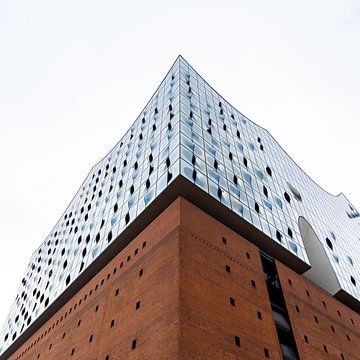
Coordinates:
(75, 74)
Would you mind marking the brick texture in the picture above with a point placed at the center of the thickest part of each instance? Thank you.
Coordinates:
(332, 329)
(187, 287)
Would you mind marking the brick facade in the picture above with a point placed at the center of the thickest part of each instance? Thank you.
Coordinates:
(187, 287)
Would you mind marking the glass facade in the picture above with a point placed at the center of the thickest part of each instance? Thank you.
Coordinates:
(187, 129)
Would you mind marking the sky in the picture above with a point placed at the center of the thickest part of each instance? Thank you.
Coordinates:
(75, 74)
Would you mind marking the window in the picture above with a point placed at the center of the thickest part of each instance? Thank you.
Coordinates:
(247, 255)
(90, 338)
(259, 315)
(287, 197)
(227, 268)
(117, 292)
(266, 353)
(297, 308)
(72, 352)
(232, 301)
(144, 244)
(97, 308)
(290, 282)
(332, 329)
(325, 349)
(224, 240)
(112, 323)
(306, 339)
(133, 344)
(141, 272)
(329, 243)
(253, 283)
(64, 335)
(237, 341)
(79, 322)
(137, 305)
(316, 319)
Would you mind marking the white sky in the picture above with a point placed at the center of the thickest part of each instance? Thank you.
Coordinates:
(75, 74)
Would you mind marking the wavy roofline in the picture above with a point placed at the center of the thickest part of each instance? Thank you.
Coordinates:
(339, 195)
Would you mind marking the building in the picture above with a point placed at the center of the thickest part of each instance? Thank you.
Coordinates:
(197, 236)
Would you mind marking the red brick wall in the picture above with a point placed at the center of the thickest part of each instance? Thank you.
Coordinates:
(192, 265)
(154, 325)
(208, 322)
(337, 327)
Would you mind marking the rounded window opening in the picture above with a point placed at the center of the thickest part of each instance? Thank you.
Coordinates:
(268, 170)
(295, 192)
(353, 281)
(350, 260)
(287, 197)
(329, 243)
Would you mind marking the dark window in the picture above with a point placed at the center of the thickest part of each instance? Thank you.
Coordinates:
(316, 319)
(324, 303)
(325, 349)
(237, 340)
(224, 240)
(107, 357)
(117, 292)
(79, 322)
(97, 308)
(332, 329)
(227, 267)
(348, 337)
(290, 282)
(232, 301)
(297, 308)
(306, 339)
(91, 338)
(72, 352)
(268, 170)
(259, 315)
(266, 353)
(133, 344)
(144, 244)
(287, 197)
(329, 243)
(141, 272)
(112, 323)
(307, 293)
(64, 334)
(137, 305)
(253, 283)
